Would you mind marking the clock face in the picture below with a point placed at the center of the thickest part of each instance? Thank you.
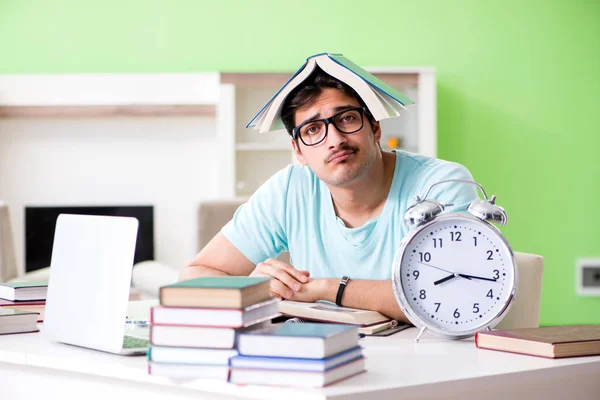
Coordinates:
(456, 274)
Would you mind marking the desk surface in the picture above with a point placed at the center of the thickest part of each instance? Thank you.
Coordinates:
(394, 364)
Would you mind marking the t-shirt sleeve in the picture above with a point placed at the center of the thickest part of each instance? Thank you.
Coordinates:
(257, 228)
(457, 193)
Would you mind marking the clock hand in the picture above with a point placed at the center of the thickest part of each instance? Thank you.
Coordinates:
(441, 269)
(454, 274)
(445, 279)
(477, 277)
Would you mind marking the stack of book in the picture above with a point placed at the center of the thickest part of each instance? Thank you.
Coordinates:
(16, 321)
(25, 297)
(193, 333)
(298, 354)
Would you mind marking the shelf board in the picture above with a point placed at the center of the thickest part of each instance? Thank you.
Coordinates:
(263, 147)
(392, 76)
(94, 111)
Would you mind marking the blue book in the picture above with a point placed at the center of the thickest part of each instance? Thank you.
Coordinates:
(309, 340)
(297, 364)
(382, 100)
(255, 376)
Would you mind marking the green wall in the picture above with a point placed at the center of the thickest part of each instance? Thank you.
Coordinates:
(518, 86)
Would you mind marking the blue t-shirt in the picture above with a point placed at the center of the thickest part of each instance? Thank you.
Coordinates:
(293, 211)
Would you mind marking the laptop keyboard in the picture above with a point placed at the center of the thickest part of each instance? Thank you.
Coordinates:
(130, 342)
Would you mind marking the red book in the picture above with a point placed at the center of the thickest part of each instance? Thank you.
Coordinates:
(550, 342)
(4, 302)
(36, 306)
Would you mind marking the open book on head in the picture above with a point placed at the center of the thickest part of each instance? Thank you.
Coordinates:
(382, 100)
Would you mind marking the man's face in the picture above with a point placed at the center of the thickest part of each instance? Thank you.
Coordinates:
(342, 158)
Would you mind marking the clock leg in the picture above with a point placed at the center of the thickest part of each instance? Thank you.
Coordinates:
(423, 329)
(487, 328)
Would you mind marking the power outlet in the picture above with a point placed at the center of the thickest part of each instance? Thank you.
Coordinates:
(588, 277)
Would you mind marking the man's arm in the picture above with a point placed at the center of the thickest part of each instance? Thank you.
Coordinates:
(363, 294)
(218, 258)
(221, 258)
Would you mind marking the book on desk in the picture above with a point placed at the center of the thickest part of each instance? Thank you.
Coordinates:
(308, 354)
(549, 342)
(15, 321)
(23, 291)
(368, 322)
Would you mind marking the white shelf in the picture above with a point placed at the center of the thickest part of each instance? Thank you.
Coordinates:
(252, 157)
(258, 146)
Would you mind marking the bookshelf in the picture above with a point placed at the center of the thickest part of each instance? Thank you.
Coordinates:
(249, 158)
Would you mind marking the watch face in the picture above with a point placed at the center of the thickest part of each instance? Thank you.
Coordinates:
(456, 274)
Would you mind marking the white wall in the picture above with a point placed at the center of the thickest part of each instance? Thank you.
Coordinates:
(165, 162)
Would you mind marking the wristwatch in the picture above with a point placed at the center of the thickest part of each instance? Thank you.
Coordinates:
(343, 283)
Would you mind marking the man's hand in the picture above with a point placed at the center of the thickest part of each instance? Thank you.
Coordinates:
(315, 289)
(287, 280)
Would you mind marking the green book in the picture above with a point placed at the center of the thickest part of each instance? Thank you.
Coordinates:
(382, 100)
(23, 291)
(216, 292)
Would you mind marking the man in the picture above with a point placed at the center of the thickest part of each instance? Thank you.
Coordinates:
(339, 213)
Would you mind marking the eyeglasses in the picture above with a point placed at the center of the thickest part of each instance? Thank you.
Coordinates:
(314, 132)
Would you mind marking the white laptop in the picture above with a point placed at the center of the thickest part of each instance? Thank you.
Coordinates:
(88, 289)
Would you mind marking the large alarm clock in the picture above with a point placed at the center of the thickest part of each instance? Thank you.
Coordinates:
(454, 273)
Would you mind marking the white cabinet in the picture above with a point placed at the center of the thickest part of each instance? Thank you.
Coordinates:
(249, 158)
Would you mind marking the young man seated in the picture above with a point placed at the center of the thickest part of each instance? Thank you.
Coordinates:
(339, 213)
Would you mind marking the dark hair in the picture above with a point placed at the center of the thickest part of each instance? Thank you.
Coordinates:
(307, 93)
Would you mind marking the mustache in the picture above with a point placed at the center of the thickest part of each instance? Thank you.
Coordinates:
(342, 149)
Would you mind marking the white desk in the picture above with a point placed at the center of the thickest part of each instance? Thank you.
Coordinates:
(397, 368)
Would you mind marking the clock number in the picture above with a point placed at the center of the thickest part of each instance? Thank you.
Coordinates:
(475, 240)
(496, 274)
(435, 243)
(490, 254)
(425, 257)
(475, 308)
(416, 275)
(455, 236)
(438, 306)
(422, 294)
(490, 294)
(456, 313)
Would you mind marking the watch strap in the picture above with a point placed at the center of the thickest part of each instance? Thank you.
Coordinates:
(340, 292)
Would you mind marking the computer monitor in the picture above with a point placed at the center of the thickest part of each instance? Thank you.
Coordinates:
(40, 223)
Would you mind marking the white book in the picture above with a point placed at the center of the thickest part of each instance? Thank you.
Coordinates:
(221, 317)
(198, 336)
(15, 321)
(186, 355)
(192, 336)
(328, 312)
(189, 371)
(296, 378)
